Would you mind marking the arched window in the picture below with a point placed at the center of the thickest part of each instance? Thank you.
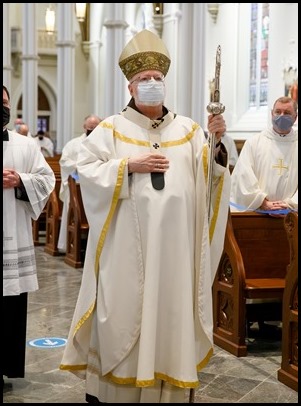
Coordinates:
(258, 95)
(43, 110)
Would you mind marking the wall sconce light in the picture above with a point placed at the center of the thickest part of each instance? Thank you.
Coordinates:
(158, 8)
(213, 10)
(82, 11)
(50, 20)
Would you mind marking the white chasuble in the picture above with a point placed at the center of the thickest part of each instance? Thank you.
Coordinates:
(144, 311)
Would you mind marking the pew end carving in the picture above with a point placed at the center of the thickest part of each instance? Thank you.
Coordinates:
(288, 373)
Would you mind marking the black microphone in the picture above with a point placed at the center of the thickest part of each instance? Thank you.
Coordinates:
(158, 180)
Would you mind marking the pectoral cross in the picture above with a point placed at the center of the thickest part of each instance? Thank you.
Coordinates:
(280, 166)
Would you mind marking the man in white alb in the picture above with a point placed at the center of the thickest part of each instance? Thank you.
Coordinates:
(265, 176)
(28, 181)
(68, 167)
(45, 143)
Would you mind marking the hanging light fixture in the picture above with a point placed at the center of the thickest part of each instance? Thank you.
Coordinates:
(50, 20)
(82, 12)
(80, 9)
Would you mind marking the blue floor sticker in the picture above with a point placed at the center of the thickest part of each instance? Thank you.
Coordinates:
(47, 342)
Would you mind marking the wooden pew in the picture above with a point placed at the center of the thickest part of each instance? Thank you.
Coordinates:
(252, 266)
(77, 227)
(239, 144)
(288, 373)
(53, 210)
(40, 225)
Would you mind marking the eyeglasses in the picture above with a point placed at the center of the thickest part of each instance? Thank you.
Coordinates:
(147, 78)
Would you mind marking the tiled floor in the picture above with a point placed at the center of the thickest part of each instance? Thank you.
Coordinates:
(226, 379)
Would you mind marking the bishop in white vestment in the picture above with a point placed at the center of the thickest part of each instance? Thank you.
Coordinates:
(142, 327)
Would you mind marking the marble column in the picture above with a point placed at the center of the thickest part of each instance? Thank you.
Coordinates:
(7, 68)
(188, 54)
(172, 18)
(114, 82)
(95, 68)
(198, 41)
(29, 67)
(65, 72)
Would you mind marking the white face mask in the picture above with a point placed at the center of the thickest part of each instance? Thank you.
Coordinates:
(151, 92)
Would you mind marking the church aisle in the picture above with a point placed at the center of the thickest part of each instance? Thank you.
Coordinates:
(226, 379)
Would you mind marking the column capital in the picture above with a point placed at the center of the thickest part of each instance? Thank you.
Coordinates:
(30, 57)
(65, 43)
(116, 24)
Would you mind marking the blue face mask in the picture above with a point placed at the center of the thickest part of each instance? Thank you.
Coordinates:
(283, 122)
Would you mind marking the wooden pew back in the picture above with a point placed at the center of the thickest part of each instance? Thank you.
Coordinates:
(260, 237)
(253, 265)
(77, 226)
(54, 163)
(54, 210)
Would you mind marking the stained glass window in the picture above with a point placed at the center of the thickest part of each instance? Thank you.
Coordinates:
(259, 54)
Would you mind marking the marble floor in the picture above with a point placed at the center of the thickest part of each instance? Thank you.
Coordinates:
(226, 379)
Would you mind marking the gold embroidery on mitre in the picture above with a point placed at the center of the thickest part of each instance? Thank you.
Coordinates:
(145, 51)
(144, 61)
